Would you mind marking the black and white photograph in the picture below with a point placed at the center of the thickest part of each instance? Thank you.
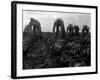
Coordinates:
(53, 39)
(56, 39)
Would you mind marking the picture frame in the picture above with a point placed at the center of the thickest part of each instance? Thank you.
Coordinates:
(26, 61)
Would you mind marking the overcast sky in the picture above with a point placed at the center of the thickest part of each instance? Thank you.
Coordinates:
(47, 19)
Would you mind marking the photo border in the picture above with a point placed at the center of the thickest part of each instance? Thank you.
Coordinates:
(14, 38)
